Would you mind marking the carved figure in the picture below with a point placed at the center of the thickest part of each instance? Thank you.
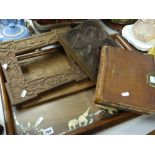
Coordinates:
(72, 124)
(83, 121)
(91, 121)
(110, 110)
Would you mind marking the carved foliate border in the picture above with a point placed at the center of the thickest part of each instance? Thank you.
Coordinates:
(18, 87)
(30, 43)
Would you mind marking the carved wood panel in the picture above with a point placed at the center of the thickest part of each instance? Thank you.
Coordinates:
(30, 43)
(83, 43)
(21, 89)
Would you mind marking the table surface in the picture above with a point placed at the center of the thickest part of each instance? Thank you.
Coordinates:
(137, 126)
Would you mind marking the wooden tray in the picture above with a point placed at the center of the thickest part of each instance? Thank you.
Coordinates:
(101, 123)
(63, 114)
(55, 113)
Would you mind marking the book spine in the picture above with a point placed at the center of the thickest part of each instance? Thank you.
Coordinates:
(98, 97)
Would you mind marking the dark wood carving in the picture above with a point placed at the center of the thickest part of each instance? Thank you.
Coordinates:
(21, 88)
(62, 91)
(59, 120)
(84, 44)
(30, 43)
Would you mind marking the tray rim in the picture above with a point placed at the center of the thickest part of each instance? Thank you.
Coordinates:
(102, 124)
(16, 81)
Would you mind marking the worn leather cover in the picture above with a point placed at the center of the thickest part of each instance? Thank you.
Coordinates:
(124, 80)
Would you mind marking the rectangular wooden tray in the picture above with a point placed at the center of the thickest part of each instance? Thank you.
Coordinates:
(99, 124)
(61, 116)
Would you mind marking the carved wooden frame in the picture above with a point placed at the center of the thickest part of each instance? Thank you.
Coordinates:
(19, 88)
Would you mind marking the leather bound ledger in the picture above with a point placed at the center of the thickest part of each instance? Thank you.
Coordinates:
(126, 80)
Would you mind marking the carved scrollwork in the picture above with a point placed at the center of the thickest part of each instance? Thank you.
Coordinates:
(21, 89)
(30, 43)
(83, 43)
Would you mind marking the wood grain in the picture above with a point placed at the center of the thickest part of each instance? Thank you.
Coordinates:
(45, 71)
(83, 43)
(9, 122)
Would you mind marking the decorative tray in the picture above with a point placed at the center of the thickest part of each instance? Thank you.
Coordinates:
(63, 111)
(72, 114)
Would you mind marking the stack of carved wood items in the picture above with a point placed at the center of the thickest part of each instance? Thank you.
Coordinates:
(72, 80)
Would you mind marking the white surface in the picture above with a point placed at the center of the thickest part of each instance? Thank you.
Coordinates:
(138, 126)
(23, 94)
(5, 66)
(127, 33)
(152, 79)
(125, 94)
